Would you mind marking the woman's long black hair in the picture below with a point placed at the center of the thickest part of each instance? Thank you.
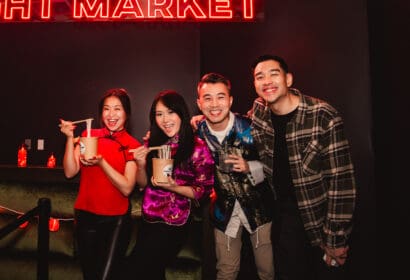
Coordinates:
(175, 102)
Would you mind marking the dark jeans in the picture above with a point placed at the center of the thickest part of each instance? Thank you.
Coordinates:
(156, 246)
(294, 257)
(102, 242)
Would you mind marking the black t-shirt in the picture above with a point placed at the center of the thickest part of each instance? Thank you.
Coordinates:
(282, 179)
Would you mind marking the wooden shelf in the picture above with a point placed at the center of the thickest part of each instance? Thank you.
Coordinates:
(34, 174)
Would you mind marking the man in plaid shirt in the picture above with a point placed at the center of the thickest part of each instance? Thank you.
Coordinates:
(301, 142)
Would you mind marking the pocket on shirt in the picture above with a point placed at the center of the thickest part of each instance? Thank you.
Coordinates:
(311, 158)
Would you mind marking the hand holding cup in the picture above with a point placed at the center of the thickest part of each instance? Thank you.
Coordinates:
(237, 163)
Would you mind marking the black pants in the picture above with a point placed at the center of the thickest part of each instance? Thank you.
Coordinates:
(102, 242)
(294, 257)
(156, 246)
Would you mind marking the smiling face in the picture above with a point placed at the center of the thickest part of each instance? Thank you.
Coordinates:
(215, 103)
(271, 81)
(113, 114)
(167, 120)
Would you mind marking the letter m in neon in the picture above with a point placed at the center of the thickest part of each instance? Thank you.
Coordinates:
(93, 9)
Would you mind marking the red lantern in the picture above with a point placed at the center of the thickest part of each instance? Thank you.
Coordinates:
(22, 156)
(51, 162)
(53, 224)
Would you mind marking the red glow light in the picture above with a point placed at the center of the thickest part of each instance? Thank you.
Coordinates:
(53, 224)
(22, 156)
(51, 162)
(23, 225)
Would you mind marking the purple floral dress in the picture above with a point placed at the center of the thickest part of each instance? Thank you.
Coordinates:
(160, 205)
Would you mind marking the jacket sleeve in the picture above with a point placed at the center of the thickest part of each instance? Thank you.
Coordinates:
(203, 165)
(341, 193)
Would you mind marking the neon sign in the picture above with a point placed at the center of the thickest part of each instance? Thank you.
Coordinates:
(130, 10)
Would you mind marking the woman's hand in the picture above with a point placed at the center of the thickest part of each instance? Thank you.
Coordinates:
(67, 128)
(140, 155)
(170, 185)
(96, 160)
(146, 137)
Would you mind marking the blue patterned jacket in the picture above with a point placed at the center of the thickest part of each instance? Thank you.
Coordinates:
(256, 201)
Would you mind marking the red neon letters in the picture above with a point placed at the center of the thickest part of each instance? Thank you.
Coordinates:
(127, 10)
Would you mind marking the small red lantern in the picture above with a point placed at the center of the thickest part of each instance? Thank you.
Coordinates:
(22, 156)
(51, 162)
(53, 224)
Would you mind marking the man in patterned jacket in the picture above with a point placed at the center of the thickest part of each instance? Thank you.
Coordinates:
(301, 142)
(242, 197)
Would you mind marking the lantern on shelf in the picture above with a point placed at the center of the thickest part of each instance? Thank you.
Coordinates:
(22, 156)
(51, 162)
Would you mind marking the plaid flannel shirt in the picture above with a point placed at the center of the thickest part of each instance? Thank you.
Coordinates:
(320, 163)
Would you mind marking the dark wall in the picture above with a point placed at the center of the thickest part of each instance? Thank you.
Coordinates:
(326, 46)
(389, 32)
(60, 70)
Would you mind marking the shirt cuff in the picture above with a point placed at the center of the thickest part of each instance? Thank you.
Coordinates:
(255, 174)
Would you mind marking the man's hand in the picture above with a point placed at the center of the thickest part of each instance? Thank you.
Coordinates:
(239, 164)
(195, 120)
(335, 256)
